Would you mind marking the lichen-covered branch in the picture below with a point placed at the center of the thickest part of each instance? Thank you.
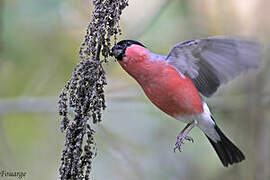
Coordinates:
(84, 92)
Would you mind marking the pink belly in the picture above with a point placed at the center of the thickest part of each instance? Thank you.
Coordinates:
(165, 87)
(173, 94)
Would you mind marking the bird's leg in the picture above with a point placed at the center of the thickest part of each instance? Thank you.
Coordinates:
(183, 136)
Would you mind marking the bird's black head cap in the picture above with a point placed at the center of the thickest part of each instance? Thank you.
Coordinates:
(118, 50)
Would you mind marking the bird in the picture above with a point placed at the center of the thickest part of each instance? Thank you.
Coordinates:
(179, 82)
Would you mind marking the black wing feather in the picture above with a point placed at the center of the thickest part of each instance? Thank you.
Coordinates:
(212, 61)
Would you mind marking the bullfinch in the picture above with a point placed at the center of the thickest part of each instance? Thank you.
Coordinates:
(176, 83)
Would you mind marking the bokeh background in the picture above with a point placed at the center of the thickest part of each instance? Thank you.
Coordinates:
(39, 43)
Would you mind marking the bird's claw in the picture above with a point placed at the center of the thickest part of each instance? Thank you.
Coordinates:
(188, 138)
(180, 141)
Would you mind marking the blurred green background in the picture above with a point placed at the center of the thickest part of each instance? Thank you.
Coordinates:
(39, 43)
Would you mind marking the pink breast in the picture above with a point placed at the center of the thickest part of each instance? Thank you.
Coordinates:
(173, 94)
(162, 83)
(166, 88)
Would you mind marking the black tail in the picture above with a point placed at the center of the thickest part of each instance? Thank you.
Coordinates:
(227, 152)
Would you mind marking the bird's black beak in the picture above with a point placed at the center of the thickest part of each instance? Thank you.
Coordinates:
(118, 52)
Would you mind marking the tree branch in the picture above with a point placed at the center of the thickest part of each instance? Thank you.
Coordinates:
(49, 104)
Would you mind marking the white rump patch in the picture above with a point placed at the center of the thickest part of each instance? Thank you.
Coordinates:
(204, 122)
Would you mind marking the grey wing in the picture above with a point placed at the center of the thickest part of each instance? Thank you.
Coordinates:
(212, 61)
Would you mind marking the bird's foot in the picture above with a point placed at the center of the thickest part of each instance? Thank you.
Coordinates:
(180, 140)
